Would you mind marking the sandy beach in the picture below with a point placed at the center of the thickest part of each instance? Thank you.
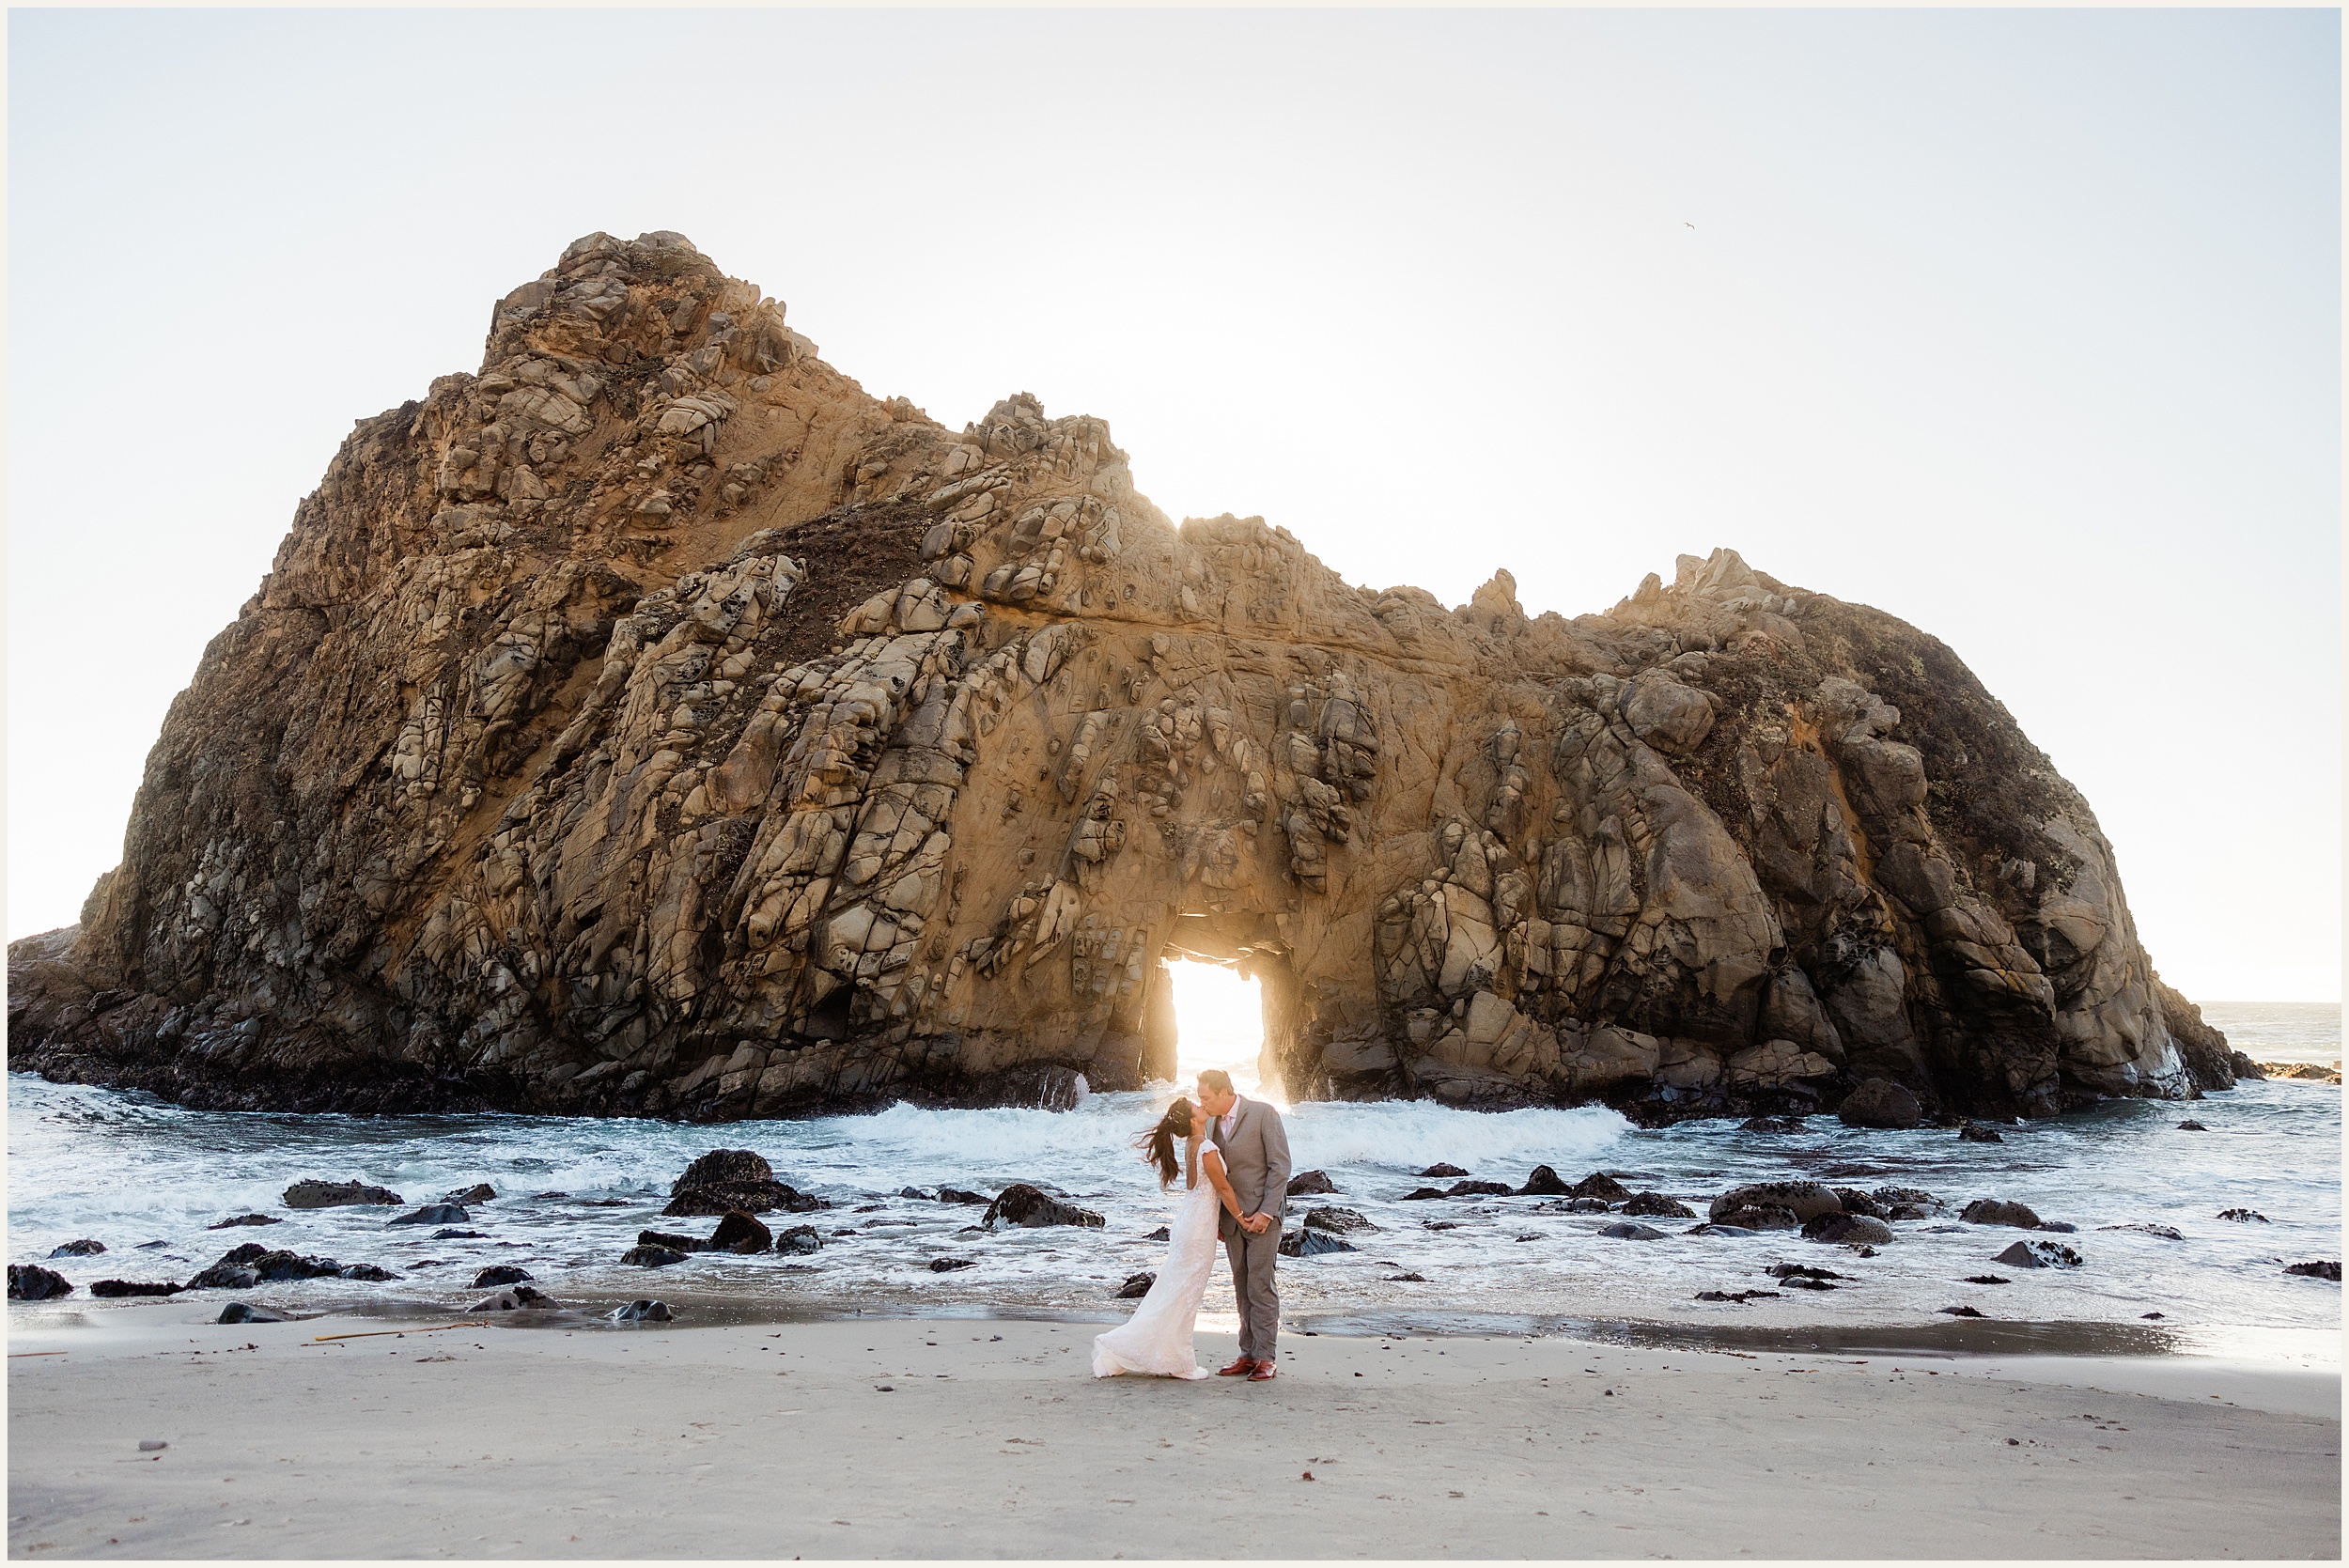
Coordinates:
(973, 1437)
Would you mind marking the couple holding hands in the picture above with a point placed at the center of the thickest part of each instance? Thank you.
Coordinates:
(1234, 1163)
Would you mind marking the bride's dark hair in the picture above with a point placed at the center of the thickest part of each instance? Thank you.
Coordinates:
(1158, 1145)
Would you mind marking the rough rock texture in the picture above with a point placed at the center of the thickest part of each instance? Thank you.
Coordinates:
(29, 1282)
(245, 1311)
(1879, 1103)
(2039, 1254)
(327, 1195)
(655, 722)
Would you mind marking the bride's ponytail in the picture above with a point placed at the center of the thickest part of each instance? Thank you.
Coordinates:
(1158, 1145)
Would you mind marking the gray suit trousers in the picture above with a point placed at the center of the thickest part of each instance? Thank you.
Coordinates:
(1252, 1259)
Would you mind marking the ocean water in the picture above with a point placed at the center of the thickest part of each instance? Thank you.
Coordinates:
(127, 1169)
(2280, 1031)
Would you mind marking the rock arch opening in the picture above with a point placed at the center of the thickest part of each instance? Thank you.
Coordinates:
(1221, 995)
(1219, 1021)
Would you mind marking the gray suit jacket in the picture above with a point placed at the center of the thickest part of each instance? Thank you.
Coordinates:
(1257, 1160)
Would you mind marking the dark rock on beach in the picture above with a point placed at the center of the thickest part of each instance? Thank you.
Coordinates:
(741, 1233)
(251, 1263)
(1418, 1194)
(521, 1298)
(1311, 1184)
(1657, 1204)
(1959, 1312)
(1906, 1202)
(719, 1166)
(1802, 1271)
(2062, 1227)
(83, 1249)
(2244, 1217)
(502, 1274)
(480, 1192)
(716, 1199)
(1740, 1296)
(916, 1193)
(1994, 1211)
(1598, 1183)
(1136, 1286)
(2323, 1269)
(225, 1275)
(1478, 1189)
(1847, 1228)
(1303, 1242)
(947, 1266)
(1771, 1124)
(1803, 1199)
(1973, 1132)
(1439, 1169)
(370, 1273)
(1709, 1227)
(726, 1179)
(1879, 1102)
(1624, 1229)
(2039, 1254)
(1406, 1279)
(233, 1223)
(2192, 1126)
(36, 1282)
(2164, 1231)
(136, 1287)
(433, 1214)
(652, 1257)
(1758, 1216)
(245, 1311)
(956, 1195)
(1856, 1202)
(1544, 1183)
(673, 1240)
(799, 1241)
(1988, 1280)
(1161, 1233)
(458, 1235)
(1023, 1204)
(1574, 1206)
(1338, 1219)
(642, 1311)
(314, 1194)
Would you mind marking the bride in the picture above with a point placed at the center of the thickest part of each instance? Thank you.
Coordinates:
(1156, 1340)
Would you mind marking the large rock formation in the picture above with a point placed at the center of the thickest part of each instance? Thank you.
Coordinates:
(655, 722)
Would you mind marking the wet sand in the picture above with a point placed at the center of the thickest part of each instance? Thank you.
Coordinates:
(935, 1438)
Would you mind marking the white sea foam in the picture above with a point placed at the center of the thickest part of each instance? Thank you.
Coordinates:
(125, 1169)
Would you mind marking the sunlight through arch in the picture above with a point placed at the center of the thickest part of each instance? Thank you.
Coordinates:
(1219, 1022)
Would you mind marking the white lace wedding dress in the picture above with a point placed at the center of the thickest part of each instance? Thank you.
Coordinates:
(1156, 1340)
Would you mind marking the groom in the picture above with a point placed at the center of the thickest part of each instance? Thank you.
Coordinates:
(1256, 1162)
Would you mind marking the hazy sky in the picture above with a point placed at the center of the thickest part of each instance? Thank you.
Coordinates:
(2023, 326)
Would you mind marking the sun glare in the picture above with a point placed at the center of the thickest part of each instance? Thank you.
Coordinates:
(1219, 1022)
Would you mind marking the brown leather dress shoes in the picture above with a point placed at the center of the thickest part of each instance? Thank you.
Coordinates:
(1240, 1368)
